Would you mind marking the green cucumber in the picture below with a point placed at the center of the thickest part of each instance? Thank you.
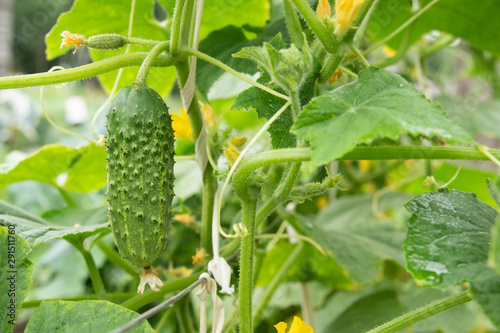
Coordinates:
(140, 150)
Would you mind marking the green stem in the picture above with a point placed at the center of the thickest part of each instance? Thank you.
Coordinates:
(163, 319)
(175, 35)
(360, 33)
(138, 301)
(348, 72)
(142, 75)
(141, 41)
(325, 37)
(401, 28)
(248, 209)
(228, 69)
(295, 103)
(82, 72)
(95, 277)
(209, 193)
(422, 313)
(118, 261)
(271, 288)
(188, 15)
(306, 305)
(256, 161)
(115, 298)
(360, 56)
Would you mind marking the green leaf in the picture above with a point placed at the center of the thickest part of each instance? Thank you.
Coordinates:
(13, 211)
(88, 172)
(15, 276)
(221, 44)
(288, 67)
(486, 291)
(83, 316)
(113, 17)
(448, 237)
(310, 265)
(493, 190)
(468, 19)
(36, 234)
(358, 241)
(86, 167)
(380, 104)
(266, 105)
(494, 254)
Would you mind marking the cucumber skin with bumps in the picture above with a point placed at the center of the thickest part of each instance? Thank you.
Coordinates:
(140, 163)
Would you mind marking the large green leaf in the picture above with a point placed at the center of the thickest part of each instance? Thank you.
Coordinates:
(36, 234)
(494, 255)
(448, 242)
(86, 167)
(448, 237)
(474, 21)
(358, 241)
(15, 275)
(380, 104)
(13, 211)
(113, 17)
(82, 317)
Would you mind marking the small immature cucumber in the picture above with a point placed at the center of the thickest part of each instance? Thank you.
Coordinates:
(140, 149)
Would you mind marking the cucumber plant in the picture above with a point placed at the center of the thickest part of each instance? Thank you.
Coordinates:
(331, 206)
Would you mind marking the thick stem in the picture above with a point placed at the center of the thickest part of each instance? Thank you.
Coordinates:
(209, 193)
(175, 34)
(325, 37)
(271, 288)
(82, 72)
(256, 161)
(422, 313)
(95, 277)
(118, 261)
(142, 75)
(183, 318)
(248, 207)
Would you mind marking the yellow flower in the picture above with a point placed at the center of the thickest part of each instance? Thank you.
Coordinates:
(69, 39)
(199, 256)
(345, 12)
(388, 51)
(186, 219)
(208, 115)
(238, 141)
(298, 326)
(181, 271)
(323, 9)
(335, 76)
(181, 125)
(231, 153)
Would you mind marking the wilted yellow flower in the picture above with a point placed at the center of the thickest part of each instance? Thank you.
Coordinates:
(388, 51)
(199, 256)
(323, 9)
(335, 76)
(186, 219)
(208, 115)
(69, 39)
(181, 271)
(298, 326)
(181, 125)
(231, 153)
(238, 141)
(345, 12)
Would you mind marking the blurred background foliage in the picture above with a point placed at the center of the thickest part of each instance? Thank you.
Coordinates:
(462, 77)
